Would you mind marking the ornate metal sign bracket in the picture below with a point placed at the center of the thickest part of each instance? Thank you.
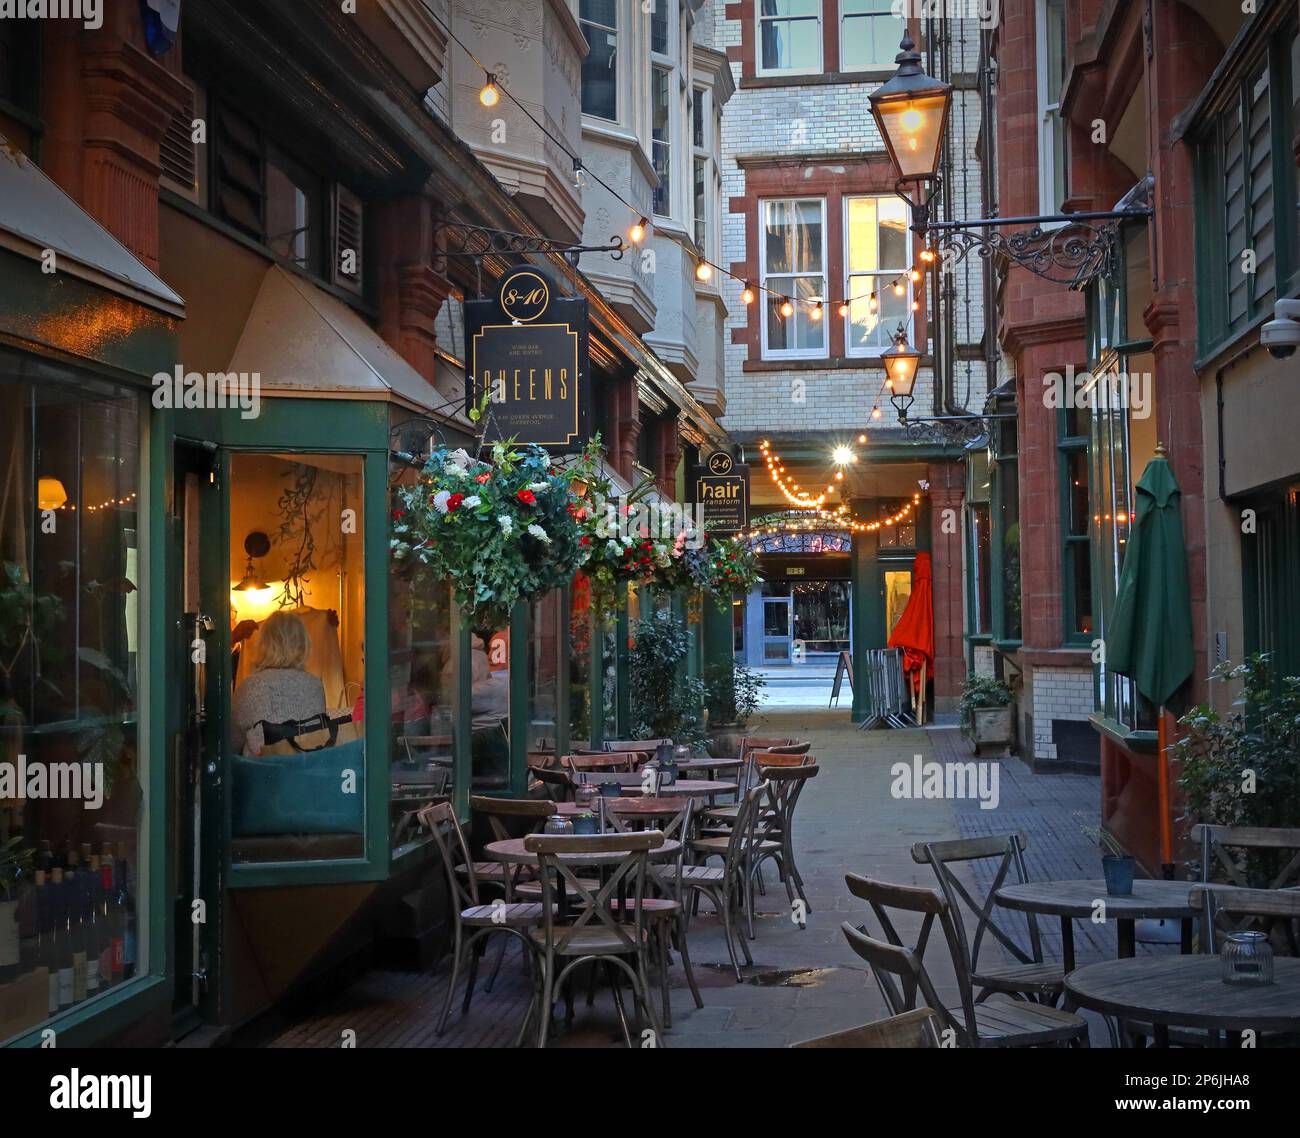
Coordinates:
(478, 242)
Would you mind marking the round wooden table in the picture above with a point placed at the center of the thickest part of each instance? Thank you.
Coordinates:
(1078, 900)
(512, 850)
(708, 764)
(643, 807)
(1186, 991)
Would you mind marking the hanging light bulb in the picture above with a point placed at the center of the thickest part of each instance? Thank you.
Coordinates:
(637, 233)
(916, 306)
(703, 271)
(862, 439)
(747, 294)
(927, 255)
(579, 175)
(787, 309)
(898, 288)
(490, 96)
(844, 308)
(816, 313)
(873, 305)
(915, 274)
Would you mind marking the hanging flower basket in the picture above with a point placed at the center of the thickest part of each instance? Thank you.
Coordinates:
(724, 567)
(500, 531)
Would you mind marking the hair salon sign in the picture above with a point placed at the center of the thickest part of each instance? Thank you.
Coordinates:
(528, 349)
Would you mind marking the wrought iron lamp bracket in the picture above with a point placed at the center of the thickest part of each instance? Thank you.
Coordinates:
(477, 242)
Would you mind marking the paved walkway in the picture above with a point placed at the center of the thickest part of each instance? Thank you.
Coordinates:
(804, 982)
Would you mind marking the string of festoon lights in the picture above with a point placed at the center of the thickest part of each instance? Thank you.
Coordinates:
(838, 518)
(491, 94)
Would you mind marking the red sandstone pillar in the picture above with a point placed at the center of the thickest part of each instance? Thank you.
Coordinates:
(947, 491)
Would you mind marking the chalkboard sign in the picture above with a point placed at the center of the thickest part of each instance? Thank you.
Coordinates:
(528, 347)
(844, 667)
(722, 493)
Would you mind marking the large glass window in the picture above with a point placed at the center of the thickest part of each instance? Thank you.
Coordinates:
(1051, 127)
(793, 269)
(544, 644)
(580, 675)
(661, 90)
(870, 31)
(878, 244)
(789, 35)
(598, 20)
(73, 908)
(1076, 568)
(297, 614)
(1005, 503)
(980, 543)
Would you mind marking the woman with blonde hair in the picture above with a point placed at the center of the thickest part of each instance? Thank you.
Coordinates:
(279, 688)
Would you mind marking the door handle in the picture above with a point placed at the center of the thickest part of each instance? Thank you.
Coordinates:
(202, 625)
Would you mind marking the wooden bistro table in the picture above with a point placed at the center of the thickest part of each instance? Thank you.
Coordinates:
(698, 787)
(1077, 900)
(1186, 991)
(708, 765)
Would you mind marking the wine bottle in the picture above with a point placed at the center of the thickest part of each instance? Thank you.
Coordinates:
(110, 953)
(73, 883)
(45, 952)
(90, 922)
(28, 929)
(65, 966)
(117, 920)
(128, 918)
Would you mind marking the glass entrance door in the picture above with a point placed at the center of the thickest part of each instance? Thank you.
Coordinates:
(778, 629)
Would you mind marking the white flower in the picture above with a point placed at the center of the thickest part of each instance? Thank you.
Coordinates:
(460, 457)
(506, 523)
(539, 487)
(440, 501)
(613, 548)
(472, 501)
(539, 533)
(546, 461)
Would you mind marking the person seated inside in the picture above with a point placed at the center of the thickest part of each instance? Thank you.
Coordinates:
(279, 688)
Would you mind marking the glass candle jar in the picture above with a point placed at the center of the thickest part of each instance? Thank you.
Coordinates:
(1247, 958)
(557, 825)
(584, 794)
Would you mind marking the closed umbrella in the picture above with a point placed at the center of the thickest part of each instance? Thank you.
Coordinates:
(1150, 634)
(914, 632)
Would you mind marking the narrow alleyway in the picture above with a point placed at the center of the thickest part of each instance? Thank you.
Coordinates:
(804, 981)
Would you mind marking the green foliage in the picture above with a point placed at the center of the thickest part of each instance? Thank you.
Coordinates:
(664, 701)
(732, 693)
(1245, 770)
(980, 692)
(724, 567)
(26, 619)
(15, 863)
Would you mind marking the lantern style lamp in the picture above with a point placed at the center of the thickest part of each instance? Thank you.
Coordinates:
(901, 362)
(911, 113)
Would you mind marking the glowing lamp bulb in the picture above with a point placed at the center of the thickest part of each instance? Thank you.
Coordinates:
(747, 294)
(787, 309)
(637, 233)
(703, 271)
(490, 96)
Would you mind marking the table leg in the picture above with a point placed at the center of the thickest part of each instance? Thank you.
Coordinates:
(1161, 1035)
(1126, 935)
(1185, 941)
(1067, 944)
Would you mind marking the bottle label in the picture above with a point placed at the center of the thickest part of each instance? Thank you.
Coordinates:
(78, 977)
(92, 974)
(106, 966)
(65, 987)
(54, 992)
(8, 933)
(116, 951)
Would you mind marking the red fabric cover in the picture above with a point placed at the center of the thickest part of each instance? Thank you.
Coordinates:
(914, 632)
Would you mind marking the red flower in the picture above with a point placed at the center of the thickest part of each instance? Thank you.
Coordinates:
(585, 540)
(398, 515)
(483, 478)
(453, 503)
(526, 496)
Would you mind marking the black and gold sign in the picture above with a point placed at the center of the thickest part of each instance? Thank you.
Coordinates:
(528, 347)
(722, 493)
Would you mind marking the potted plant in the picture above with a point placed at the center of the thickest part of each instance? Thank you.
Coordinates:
(985, 711)
(1117, 867)
(666, 703)
(1244, 770)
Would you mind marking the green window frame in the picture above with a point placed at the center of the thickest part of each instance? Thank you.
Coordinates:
(1004, 503)
(1245, 167)
(1270, 574)
(979, 615)
(1076, 541)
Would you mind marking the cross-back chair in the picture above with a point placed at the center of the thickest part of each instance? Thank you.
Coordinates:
(615, 761)
(774, 823)
(1274, 912)
(730, 886)
(917, 1028)
(601, 930)
(1027, 975)
(998, 1021)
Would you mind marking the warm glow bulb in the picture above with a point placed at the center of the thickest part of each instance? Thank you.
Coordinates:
(898, 288)
(490, 96)
(844, 308)
(916, 276)
(816, 313)
(637, 233)
(875, 412)
(787, 309)
(872, 304)
(703, 271)
(842, 456)
(912, 120)
(747, 294)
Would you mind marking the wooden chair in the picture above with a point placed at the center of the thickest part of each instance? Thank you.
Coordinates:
(732, 885)
(1217, 843)
(998, 1021)
(522, 815)
(617, 761)
(665, 913)
(1029, 975)
(468, 910)
(917, 1028)
(600, 931)
(750, 775)
(1274, 912)
(557, 783)
(646, 747)
(785, 784)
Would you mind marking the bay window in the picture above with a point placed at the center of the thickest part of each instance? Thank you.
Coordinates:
(789, 36)
(1076, 567)
(661, 87)
(793, 266)
(877, 245)
(1051, 127)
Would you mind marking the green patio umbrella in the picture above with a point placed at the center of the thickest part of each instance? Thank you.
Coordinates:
(1150, 634)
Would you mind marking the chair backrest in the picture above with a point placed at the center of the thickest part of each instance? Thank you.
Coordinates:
(1260, 910)
(795, 754)
(764, 759)
(784, 786)
(534, 812)
(558, 783)
(593, 907)
(741, 835)
(917, 1028)
(613, 761)
(646, 746)
(1006, 855)
(1216, 842)
(441, 822)
(674, 828)
(761, 743)
(540, 760)
(931, 906)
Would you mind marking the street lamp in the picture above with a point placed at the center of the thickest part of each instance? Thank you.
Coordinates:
(901, 362)
(911, 113)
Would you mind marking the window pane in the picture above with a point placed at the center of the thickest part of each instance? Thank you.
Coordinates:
(70, 634)
(1077, 492)
(292, 209)
(875, 330)
(697, 117)
(794, 236)
(1009, 509)
(659, 25)
(979, 563)
(1080, 570)
(660, 85)
(600, 67)
(792, 45)
(701, 180)
(864, 252)
(298, 788)
(798, 331)
(870, 33)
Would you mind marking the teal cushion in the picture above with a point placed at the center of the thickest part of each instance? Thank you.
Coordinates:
(300, 794)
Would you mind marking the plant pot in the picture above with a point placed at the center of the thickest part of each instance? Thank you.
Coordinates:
(585, 824)
(992, 726)
(1118, 871)
(611, 789)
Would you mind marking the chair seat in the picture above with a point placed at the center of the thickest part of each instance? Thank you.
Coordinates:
(512, 915)
(699, 875)
(1003, 1022)
(1044, 979)
(728, 813)
(651, 906)
(492, 870)
(534, 888)
(719, 845)
(594, 941)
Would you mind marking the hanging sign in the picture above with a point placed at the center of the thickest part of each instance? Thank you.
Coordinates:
(722, 493)
(527, 346)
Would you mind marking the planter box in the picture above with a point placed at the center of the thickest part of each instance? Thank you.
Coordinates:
(992, 726)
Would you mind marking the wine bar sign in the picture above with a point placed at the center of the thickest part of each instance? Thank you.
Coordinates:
(528, 348)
